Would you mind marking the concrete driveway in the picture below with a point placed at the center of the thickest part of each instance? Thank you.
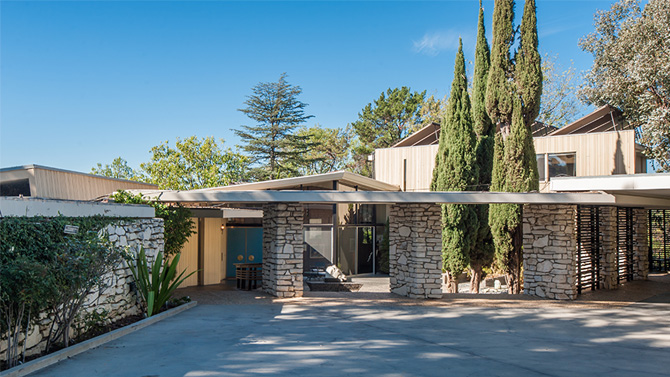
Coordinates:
(332, 337)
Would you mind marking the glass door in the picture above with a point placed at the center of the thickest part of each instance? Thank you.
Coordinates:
(365, 250)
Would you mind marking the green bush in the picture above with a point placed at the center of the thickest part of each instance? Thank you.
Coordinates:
(156, 284)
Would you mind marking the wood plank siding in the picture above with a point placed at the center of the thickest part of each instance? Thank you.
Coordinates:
(189, 260)
(602, 153)
(61, 184)
(411, 168)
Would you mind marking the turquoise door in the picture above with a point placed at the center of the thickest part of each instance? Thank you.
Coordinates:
(243, 245)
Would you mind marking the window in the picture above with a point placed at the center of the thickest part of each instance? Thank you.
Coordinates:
(561, 164)
(541, 168)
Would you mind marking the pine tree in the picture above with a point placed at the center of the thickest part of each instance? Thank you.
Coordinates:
(513, 105)
(457, 171)
(482, 253)
(272, 142)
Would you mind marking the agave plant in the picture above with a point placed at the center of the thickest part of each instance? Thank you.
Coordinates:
(157, 284)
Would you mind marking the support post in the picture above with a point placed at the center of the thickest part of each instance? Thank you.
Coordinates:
(283, 248)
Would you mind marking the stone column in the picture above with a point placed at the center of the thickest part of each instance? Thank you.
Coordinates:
(640, 244)
(283, 249)
(609, 254)
(415, 251)
(549, 247)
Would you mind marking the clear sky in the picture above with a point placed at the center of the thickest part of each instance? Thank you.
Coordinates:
(85, 82)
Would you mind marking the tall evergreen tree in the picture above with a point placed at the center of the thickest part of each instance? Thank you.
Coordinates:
(528, 75)
(513, 105)
(482, 253)
(272, 141)
(499, 88)
(456, 170)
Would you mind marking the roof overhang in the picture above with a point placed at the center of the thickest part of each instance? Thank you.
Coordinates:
(385, 197)
(651, 190)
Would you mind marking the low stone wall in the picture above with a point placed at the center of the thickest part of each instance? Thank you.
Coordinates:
(415, 235)
(114, 299)
(283, 249)
(549, 244)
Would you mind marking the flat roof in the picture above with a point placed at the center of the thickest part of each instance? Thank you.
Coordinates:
(386, 197)
(651, 186)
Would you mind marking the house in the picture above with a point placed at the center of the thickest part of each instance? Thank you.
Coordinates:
(597, 144)
(51, 183)
(344, 234)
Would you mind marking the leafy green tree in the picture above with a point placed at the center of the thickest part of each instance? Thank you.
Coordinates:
(559, 104)
(482, 253)
(330, 151)
(513, 103)
(456, 170)
(272, 142)
(193, 164)
(384, 122)
(631, 70)
(118, 169)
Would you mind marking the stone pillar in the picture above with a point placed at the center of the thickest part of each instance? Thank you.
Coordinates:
(609, 253)
(549, 247)
(415, 251)
(283, 249)
(640, 244)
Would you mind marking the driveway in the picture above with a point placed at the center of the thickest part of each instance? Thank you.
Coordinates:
(331, 336)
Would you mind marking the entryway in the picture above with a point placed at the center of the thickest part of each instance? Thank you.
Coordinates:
(243, 245)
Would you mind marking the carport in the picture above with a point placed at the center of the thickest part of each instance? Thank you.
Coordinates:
(551, 244)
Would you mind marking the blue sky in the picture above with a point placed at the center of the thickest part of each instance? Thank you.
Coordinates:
(85, 82)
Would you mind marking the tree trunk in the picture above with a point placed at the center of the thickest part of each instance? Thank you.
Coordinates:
(475, 278)
(452, 284)
(514, 274)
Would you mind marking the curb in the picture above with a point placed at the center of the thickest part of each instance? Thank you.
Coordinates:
(66, 353)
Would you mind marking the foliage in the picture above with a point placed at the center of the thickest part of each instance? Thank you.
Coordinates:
(559, 104)
(457, 170)
(176, 219)
(275, 107)
(499, 84)
(631, 70)
(41, 268)
(118, 169)
(481, 254)
(194, 163)
(384, 122)
(156, 284)
(331, 149)
(513, 97)
(528, 66)
(433, 110)
(80, 265)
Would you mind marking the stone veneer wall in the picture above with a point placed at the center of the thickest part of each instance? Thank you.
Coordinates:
(283, 249)
(609, 254)
(640, 244)
(549, 246)
(114, 299)
(415, 235)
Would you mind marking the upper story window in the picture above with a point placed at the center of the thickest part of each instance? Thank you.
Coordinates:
(562, 164)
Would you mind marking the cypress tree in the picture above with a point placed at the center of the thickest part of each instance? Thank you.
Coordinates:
(482, 253)
(457, 170)
(499, 89)
(528, 75)
(514, 167)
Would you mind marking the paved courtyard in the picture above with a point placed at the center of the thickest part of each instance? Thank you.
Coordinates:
(251, 334)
